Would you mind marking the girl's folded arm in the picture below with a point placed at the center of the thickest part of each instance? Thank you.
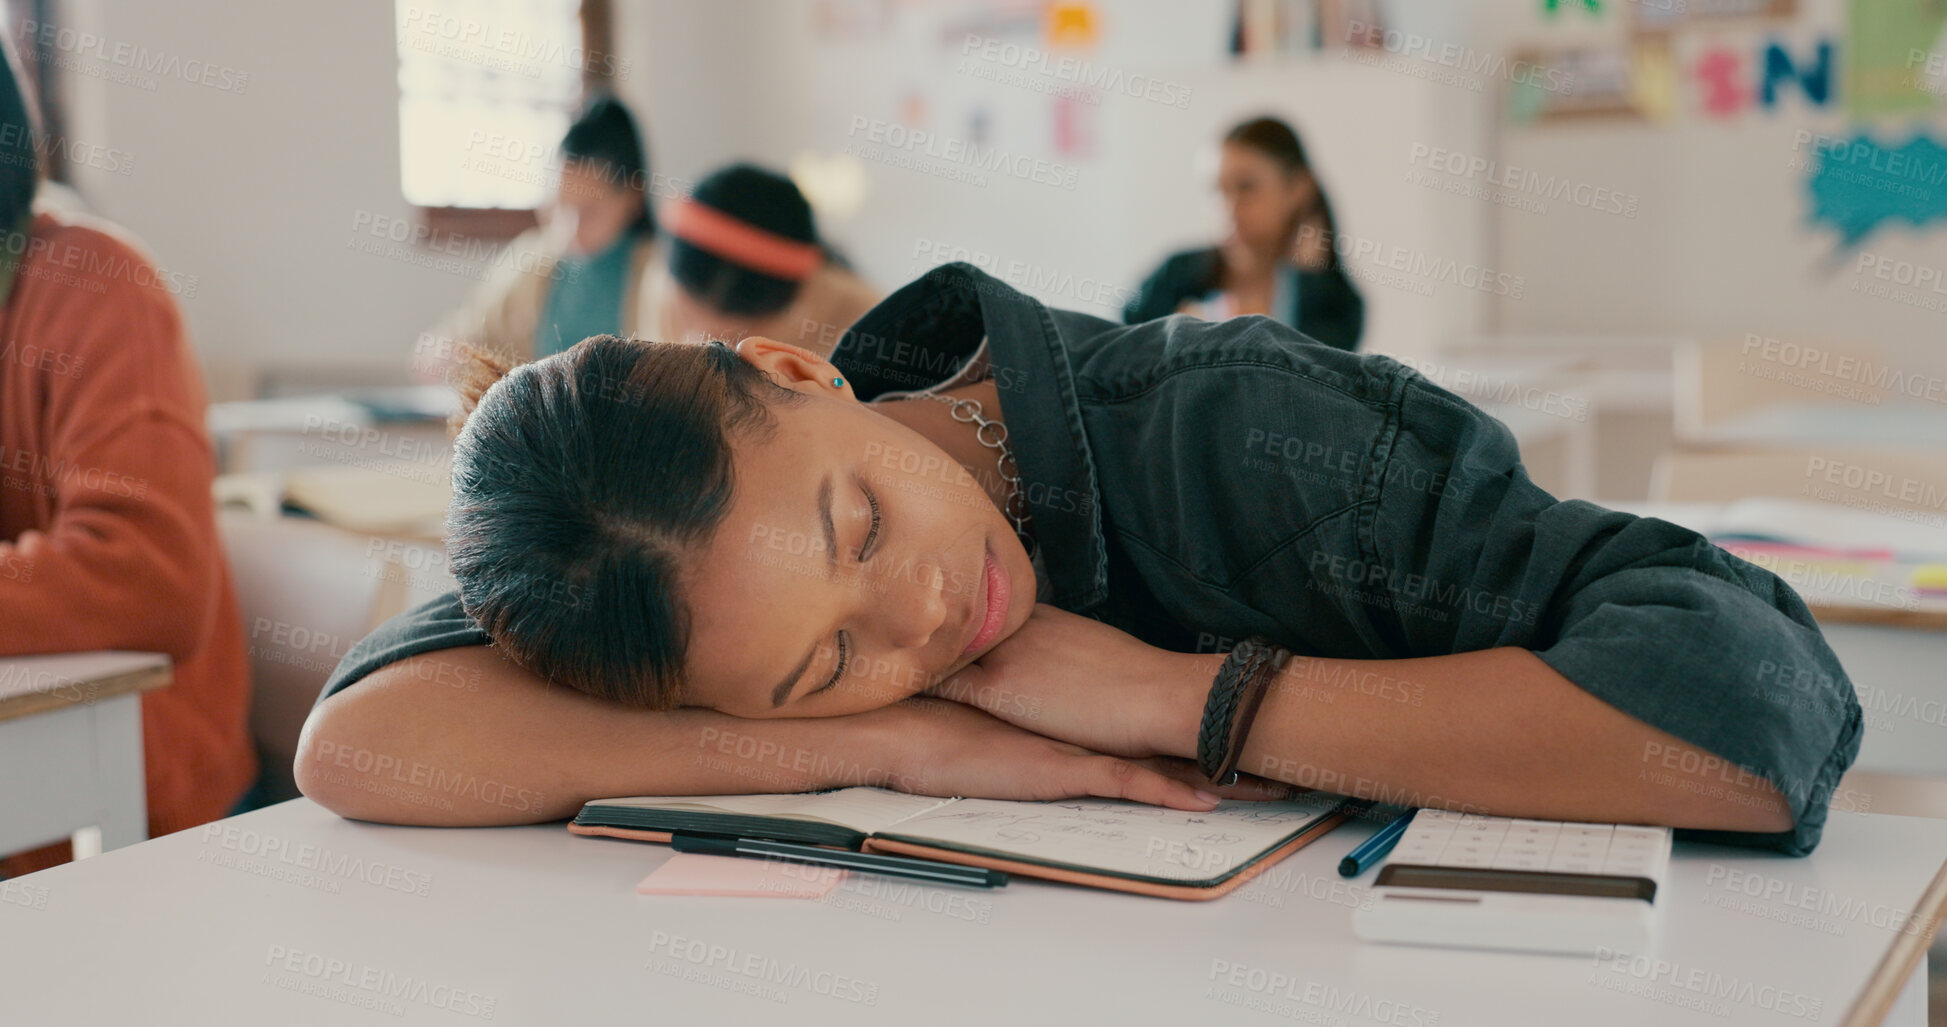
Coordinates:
(1497, 732)
(1719, 689)
(460, 737)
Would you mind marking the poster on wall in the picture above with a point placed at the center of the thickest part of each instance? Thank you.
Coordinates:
(1896, 57)
(1581, 81)
(1665, 15)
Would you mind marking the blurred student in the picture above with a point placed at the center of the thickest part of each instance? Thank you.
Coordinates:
(108, 535)
(1279, 259)
(579, 273)
(745, 259)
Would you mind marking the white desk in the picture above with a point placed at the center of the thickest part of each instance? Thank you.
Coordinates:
(71, 746)
(225, 924)
(1832, 424)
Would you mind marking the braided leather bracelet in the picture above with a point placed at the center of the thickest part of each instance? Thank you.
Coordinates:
(1235, 695)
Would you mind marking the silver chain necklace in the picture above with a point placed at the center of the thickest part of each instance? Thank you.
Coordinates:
(993, 435)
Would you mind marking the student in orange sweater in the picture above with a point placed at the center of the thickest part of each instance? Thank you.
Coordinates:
(107, 530)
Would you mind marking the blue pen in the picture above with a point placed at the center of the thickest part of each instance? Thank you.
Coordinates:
(1374, 848)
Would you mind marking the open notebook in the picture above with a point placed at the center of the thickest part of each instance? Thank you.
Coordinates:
(1102, 843)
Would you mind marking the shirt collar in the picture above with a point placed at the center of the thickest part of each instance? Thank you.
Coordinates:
(928, 331)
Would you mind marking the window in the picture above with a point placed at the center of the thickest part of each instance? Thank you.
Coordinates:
(486, 89)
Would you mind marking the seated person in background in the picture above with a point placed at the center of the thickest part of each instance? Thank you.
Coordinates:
(581, 271)
(108, 533)
(745, 259)
(1280, 258)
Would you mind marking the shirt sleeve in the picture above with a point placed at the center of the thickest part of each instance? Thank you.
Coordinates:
(1645, 615)
(436, 624)
(123, 560)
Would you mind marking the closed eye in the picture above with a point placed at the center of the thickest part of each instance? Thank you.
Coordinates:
(872, 533)
(844, 659)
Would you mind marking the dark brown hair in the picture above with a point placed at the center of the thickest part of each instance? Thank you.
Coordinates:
(1277, 140)
(581, 483)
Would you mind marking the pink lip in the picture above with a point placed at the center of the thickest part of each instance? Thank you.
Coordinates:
(995, 596)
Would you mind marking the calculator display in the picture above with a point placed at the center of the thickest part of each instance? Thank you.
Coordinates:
(1408, 875)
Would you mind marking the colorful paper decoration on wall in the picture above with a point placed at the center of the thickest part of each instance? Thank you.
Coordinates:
(1889, 46)
(1642, 78)
(1588, 80)
(1663, 15)
(1074, 123)
(1858, 185)
(1726, 84)
(1073, 25)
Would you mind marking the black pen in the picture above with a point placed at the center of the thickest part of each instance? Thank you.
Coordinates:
(894, 866)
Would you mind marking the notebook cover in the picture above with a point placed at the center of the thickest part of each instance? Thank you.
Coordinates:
(630, 833)
(1312, 832)
(783, 829)
(1194, 893)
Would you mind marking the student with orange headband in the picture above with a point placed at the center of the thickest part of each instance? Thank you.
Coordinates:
(744, 259)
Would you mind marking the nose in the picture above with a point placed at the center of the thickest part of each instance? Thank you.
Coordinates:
(912, 614)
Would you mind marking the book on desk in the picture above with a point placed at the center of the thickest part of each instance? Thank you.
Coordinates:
(1098, 843)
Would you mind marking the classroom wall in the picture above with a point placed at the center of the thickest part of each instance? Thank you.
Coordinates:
(1722, 245)
(1718, 245)
(255, 192)
(1142, 186)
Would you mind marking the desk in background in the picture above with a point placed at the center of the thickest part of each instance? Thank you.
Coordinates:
(1827, 424)
(71, 746)
(1893, 654)
(1590, 412)
(290, 915)
(372, 469)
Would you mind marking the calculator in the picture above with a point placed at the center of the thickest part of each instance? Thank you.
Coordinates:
(1472, 881)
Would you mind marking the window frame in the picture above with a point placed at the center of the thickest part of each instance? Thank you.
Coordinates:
(597, 18)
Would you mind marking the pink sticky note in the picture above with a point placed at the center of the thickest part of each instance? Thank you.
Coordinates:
(693, 873)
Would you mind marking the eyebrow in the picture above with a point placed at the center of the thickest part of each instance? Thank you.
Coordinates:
(782, 690)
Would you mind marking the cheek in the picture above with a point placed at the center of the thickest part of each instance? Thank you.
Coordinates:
(880, 681)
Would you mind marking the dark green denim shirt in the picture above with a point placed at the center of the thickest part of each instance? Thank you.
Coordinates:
(1193, 483)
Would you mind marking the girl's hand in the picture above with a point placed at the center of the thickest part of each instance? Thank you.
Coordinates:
(1311, 250)
(1082, 681)
(946, 748)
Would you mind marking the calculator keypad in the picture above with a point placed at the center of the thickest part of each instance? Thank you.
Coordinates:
(1446, 839)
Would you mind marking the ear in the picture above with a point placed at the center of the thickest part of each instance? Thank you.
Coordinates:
(794, 367)
(1304, 188)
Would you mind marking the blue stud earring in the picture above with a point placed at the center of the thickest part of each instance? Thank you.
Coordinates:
(838, 383)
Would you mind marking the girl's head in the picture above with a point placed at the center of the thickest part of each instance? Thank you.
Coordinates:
(1267, 183)
(687, 524)
(740, 248)
(604, 179)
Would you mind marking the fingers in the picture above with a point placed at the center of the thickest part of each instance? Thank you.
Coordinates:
(1114, 778)
(1249, 787)
(1257, 789)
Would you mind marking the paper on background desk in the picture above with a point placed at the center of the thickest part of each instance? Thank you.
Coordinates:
(695, 873)
(1827, 524)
